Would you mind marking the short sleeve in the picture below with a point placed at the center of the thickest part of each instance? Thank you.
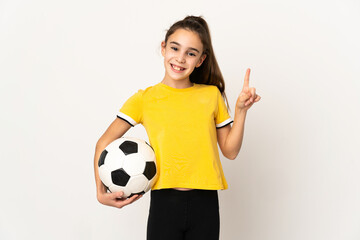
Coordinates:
(131, 111)
(222, 117)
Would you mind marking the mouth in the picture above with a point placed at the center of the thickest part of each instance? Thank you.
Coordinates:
(177, 68)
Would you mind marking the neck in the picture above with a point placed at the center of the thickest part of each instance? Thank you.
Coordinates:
(178, 84)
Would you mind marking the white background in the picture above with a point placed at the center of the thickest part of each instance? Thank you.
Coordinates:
(66, 67)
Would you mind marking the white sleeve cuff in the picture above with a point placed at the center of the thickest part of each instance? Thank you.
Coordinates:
(224, 123)
(126, 118)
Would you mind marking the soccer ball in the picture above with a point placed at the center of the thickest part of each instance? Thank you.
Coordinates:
(128, 164)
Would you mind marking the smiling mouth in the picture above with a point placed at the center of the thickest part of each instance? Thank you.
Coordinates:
(177, 68)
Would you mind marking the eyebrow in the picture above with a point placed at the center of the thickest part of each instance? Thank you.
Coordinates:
(176, 43)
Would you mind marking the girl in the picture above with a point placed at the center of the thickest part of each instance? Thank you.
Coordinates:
(185, 117)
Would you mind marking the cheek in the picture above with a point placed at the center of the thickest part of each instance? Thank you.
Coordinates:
(169, 56)
(194, 62)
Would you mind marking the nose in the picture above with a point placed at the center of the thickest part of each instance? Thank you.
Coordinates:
(180, 58)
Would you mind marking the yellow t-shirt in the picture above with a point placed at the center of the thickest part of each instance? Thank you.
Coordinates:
(181, 126)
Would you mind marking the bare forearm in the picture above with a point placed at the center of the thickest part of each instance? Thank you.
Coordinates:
(235, 137)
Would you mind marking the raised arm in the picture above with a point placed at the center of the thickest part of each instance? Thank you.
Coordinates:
(230, 138)
(116, 130)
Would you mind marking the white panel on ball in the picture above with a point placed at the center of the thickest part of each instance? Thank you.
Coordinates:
(116, 188)
(137, 183)
(114, 159)
(105, 174)
(150, 184)
(134, 164)
(147, 152)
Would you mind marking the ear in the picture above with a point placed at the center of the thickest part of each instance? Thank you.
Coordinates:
(163, 48)
(202, 59)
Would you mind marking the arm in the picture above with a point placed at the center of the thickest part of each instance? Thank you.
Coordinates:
(116, 130)
(230, 138)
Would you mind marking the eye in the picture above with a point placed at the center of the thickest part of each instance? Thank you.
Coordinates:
(192, 54)
(174, 48)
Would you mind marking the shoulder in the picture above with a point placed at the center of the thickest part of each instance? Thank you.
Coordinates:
(210, 90)
(140, 93)
(206, 87)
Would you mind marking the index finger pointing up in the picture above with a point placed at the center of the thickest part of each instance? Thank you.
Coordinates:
(246, 80)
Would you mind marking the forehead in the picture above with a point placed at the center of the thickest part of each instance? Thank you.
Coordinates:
(186, 38)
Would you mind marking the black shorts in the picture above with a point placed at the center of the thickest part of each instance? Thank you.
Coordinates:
(180, 215)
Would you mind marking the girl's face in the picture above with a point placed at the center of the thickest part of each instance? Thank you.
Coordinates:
(182, 54)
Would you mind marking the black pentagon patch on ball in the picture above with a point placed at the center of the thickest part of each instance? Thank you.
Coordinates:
(102, 157)
(129, 147)
(140, 193)
(150, 170)
(120, 177)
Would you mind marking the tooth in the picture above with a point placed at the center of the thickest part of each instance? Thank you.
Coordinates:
(177, 68)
